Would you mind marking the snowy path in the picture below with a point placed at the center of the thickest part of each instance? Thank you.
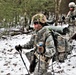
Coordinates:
(11, 63)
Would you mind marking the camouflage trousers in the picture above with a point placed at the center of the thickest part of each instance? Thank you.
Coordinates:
(41, 68)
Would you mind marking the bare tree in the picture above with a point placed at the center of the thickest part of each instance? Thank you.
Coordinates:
(57, 9)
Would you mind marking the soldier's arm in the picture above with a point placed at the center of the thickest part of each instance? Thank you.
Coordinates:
(30, 44)
(67, 17)
(50, 48)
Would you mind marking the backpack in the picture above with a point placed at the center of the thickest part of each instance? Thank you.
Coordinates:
(62, 47)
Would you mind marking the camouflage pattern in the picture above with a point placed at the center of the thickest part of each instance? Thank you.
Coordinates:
(39, 17)
(69, 16)
(72, 29)
(63, 48)
(44, 36)
(71, 20)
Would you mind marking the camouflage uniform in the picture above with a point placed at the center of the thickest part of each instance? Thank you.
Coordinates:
(44, 36)
(71, 22)
(71, 18)
(63, 48)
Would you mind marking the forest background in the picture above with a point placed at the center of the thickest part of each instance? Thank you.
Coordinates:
(11, 10)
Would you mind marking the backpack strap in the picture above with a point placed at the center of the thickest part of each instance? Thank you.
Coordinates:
(55, 44)
(54, 38)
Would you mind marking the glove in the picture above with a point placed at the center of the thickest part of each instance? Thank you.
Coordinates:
(73, 17)
(18, 47)
(63, 18)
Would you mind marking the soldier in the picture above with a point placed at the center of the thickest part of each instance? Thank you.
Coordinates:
(72, 12)
(70, 18)
(43, 44)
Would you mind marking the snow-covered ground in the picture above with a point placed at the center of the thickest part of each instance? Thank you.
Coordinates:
(11, 63)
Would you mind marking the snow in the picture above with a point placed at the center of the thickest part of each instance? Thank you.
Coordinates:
(11, 63)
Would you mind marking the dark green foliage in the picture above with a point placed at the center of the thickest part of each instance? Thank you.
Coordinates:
(10, 9)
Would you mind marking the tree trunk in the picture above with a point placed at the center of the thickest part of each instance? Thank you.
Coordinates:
(57, 9)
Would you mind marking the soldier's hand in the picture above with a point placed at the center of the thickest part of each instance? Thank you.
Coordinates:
(18, 47)
(42, 58)
(73, 17)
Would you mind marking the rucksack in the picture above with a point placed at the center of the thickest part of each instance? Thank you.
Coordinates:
(62, 47)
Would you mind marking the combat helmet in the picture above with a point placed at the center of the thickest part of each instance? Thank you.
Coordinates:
(39, 18)
(72, 4)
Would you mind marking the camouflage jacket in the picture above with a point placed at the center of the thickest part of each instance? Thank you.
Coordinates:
(70, 15)
(43, 35)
